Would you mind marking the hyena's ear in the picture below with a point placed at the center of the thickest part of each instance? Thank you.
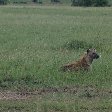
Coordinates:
(88, 50)
(94, 49)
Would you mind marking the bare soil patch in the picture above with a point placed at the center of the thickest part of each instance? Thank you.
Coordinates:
(80, 91)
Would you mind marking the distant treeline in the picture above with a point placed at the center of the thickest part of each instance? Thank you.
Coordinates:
(91, 3)
(72, 2)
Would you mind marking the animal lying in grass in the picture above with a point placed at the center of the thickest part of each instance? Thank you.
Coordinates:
(84, 63)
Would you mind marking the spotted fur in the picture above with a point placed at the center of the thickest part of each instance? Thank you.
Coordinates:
(84, 63)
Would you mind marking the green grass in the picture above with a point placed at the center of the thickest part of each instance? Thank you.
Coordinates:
(33, 42)
(18, 106)
(32, 39)
(57, 103)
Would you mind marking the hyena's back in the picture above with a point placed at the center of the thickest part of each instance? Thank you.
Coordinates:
(78, 65)
(84, 63)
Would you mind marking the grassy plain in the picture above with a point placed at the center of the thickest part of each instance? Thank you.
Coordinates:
(36, 40)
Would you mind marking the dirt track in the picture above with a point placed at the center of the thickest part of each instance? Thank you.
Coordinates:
(86, 91)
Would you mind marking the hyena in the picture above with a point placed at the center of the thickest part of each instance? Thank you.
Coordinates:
(84, 63)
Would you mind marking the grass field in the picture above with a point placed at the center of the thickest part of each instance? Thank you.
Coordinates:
(35, 41)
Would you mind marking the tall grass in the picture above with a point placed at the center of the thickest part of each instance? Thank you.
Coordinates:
(32, 40)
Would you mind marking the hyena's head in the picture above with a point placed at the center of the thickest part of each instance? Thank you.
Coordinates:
(92, 54)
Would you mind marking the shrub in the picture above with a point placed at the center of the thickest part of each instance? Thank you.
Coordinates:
(83, 2)
(38, 1)
(87, 2)
(101, 2)
(4, 2)
(55, 1)
(90, 2)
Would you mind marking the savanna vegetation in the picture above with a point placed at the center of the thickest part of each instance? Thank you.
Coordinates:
(64, 2)
(35, 41)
